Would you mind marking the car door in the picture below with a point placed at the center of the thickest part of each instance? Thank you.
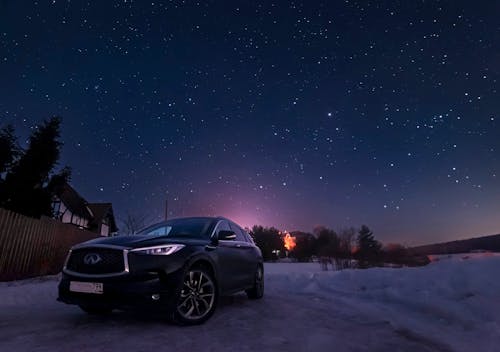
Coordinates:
(247, 257)
(228, 258)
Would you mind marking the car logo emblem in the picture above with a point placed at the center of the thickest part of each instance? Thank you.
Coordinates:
(92, 258)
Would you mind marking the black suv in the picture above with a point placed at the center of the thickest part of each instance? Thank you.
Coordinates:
(178, 267)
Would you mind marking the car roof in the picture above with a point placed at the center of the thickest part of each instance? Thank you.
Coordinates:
(196, 217)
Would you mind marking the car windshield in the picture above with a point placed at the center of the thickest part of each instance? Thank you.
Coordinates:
(189, 227)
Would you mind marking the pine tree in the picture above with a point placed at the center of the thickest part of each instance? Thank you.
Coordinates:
(369, 249)
(9, 152)
(8, 148)
(28, 185)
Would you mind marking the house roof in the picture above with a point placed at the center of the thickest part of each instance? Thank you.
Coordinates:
(73, 201)
(100, 211)
(95, 213)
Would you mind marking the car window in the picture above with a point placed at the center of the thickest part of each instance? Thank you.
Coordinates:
(239, 232)
(187, 227)
(222, 226)
(248, 237)
(159, 231)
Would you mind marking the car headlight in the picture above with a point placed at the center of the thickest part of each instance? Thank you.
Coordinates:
(159, 250)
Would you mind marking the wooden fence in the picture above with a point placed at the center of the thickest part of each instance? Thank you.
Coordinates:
(32, 247)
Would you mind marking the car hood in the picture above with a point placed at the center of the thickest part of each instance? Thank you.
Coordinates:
(137, 241)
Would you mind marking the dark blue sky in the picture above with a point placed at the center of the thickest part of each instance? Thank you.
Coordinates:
(292, 114)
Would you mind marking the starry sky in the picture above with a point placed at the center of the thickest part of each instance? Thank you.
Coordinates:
(285, 113)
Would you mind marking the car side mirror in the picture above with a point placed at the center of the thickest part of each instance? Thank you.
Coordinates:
(226, 235)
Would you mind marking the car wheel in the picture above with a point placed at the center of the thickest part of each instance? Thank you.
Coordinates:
(197, 298)
(257, 291)
(95, 309)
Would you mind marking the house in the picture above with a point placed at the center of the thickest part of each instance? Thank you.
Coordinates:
(103, 221)
(71, 208)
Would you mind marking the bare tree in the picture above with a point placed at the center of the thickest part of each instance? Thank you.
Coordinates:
(133, 223)
(347, 239)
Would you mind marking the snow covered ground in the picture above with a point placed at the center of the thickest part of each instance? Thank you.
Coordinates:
(450, 305)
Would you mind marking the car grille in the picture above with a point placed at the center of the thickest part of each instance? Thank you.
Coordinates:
(96, 261)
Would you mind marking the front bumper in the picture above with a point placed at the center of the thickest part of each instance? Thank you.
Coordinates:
(148, 291)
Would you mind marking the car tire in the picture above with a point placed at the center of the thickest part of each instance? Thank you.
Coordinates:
(95, 309)
(196, 297)
(257, 291)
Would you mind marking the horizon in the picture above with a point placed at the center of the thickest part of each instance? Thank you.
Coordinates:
(285, 115)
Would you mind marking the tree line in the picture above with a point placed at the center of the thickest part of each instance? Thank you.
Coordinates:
(343, 249)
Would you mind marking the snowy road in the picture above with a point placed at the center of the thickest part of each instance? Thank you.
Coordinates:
(303, 310)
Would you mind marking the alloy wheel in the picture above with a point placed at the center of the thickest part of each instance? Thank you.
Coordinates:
(197, 296)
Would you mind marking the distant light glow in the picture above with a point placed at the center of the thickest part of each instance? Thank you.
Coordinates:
(289, 241)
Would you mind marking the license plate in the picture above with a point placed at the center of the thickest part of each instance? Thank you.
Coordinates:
(86, 287)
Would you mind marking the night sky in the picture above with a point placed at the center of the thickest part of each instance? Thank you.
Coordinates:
(291, 114)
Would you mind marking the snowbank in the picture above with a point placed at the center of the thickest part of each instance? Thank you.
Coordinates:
(453, 302)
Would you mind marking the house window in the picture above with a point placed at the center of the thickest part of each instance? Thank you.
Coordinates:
(56, 209)
(104, 230)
